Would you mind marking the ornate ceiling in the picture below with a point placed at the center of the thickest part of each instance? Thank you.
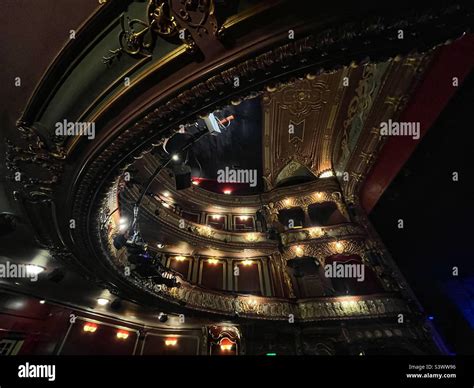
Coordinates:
(323, 94)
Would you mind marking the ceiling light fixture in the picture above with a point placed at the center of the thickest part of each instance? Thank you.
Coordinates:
(102, 301)
(175, 157)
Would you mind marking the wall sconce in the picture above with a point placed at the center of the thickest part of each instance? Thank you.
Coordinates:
(180, 258)
(244, 218)
(171, 341)
(247, 262)
(226, 344)
(213, 261)
(122, 334)
(89, 327)
(216, 216)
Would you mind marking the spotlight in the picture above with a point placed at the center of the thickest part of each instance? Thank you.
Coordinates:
(42, 301)
(162, 317)
(227, 192)
(56, 275)
(160, 245)
(175, 157)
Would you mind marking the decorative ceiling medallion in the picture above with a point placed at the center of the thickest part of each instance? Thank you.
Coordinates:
(303, 97)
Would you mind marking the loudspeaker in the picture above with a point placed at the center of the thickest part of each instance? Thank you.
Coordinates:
(116, 304)
(182, 176)
(56, 275)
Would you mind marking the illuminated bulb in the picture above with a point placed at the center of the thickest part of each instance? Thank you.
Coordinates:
(180, 258)
(33, 269)
(160, 245)
(316, 232)
(299, 251)
(227, 192)
(166, 194)
(102, 301)
(326, 174)
(339, 247)
(165, 204)
(42, 301)
(122, 334)
(216, 216)
(213, 261)
(123, 220)
(244, 218)
(175, 157)
(89, 327)
(195, 183)
(226, 344)
(247, 262)
(171, 341)
(251, 237)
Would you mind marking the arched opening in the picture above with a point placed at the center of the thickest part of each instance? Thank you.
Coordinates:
(325, 214)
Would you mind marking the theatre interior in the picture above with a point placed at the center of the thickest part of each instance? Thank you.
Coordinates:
(209, 177)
